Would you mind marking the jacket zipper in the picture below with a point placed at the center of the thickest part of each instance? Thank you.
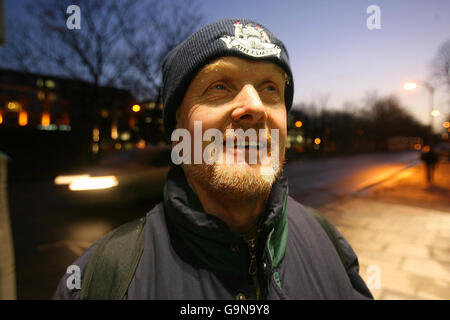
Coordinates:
(253, 267)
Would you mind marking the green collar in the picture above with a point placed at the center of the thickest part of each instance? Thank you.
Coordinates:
(209, 238)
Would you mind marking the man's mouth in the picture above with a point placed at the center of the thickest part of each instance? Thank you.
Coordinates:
(247, 144)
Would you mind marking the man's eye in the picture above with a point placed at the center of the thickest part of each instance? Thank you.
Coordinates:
(219, 87)
(270, 88)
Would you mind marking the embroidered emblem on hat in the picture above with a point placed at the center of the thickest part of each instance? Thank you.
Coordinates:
(251, 40)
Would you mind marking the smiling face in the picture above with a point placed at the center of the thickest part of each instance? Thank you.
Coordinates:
(235, 93)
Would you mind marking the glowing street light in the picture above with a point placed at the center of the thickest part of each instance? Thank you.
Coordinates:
(410, 86)
(298, 124)
(317, 140)
(136, 108)
(446, 124)
(435, 113)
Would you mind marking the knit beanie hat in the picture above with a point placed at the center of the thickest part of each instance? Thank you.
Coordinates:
(229, 37)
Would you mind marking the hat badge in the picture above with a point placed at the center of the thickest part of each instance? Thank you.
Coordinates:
(251, 40)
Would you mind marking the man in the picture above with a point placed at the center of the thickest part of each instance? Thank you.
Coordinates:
(430, 158)
(226, 229)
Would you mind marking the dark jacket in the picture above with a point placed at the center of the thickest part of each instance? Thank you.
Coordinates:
(189, 254)
(430, 158)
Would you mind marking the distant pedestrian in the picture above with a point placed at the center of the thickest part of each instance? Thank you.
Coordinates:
(431, 159)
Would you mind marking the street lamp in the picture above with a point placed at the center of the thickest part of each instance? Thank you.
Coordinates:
(412, 85)
(435, 113)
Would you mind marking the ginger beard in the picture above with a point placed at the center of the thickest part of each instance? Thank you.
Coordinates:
(239, 180)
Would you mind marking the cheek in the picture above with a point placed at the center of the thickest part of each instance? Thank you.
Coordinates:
(279, 122)
(208, 117)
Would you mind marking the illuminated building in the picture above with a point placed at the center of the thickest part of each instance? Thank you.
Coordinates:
(51, 120)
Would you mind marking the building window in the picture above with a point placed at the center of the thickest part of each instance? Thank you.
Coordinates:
(23, 118)
(104, 113)
(41, 95)
(14, 106)
(45, 119)
(150, 105)
(50, 84)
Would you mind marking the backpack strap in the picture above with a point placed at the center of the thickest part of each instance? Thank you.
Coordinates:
(330, 231)
(114, 262)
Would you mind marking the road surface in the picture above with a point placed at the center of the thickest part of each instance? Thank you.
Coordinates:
(318, 182)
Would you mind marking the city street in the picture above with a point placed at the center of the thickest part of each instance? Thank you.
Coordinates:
(317, 182)
(49, 233)
(400, 230)
(361, 104)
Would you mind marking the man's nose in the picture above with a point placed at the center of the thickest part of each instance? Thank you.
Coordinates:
(249, 108)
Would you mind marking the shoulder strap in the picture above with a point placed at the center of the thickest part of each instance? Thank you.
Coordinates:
(113, 264)
(329, 229)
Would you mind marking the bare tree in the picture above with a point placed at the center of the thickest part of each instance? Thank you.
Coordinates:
(357, 129)
(120, 43)
(156, 33)
(441, 66)
(2, 25)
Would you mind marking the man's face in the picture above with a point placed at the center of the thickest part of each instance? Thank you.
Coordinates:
(235, 93)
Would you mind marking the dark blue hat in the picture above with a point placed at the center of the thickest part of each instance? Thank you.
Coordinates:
(229, 37)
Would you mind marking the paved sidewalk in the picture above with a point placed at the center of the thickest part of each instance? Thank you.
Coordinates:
(400, 231)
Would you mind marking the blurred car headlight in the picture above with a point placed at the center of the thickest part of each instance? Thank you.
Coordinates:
(68, 179)
(93, 183)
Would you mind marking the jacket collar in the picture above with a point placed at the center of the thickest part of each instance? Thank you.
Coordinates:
(209, 238)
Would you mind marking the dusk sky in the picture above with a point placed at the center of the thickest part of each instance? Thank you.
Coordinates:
(333, 52)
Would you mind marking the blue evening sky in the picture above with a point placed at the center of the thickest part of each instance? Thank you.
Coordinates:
(334, 54)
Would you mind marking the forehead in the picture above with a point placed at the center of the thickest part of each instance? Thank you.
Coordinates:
(243, 68)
